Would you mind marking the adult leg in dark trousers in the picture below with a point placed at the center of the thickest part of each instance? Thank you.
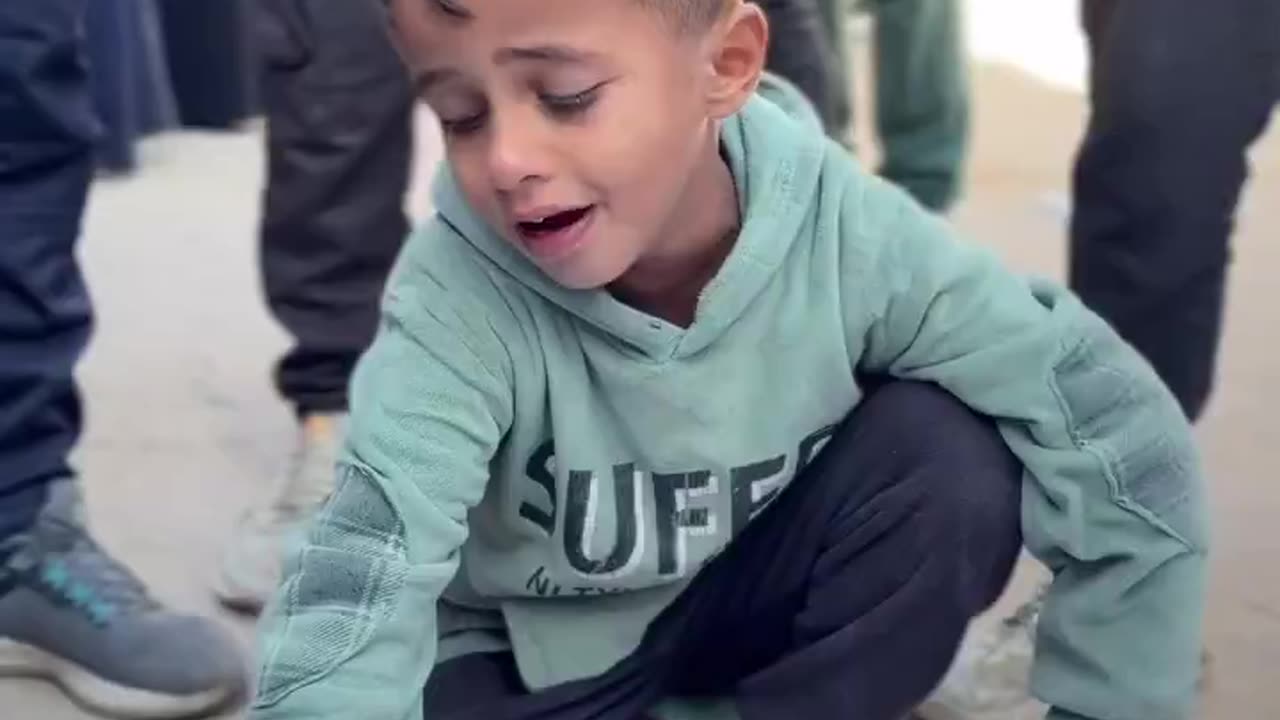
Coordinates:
(1180, 90)
(47, 137)
(922, 92)
(800, 51)
(339, 145)
(68, 610)
(846, 598)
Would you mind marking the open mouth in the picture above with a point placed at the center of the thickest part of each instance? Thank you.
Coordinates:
(552, 224)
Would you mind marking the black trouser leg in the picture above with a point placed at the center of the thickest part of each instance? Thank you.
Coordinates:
(1181, 89)
(339, 145)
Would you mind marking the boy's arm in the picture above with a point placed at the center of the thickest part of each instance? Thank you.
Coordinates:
(352, 631)
(1113, 502)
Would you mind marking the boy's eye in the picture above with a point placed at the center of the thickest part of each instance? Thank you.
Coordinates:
(459, 111)
(566, 105)
(463, 125)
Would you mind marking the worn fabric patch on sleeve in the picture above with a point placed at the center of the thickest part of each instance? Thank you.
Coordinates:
(1122, 413)
(343, 583)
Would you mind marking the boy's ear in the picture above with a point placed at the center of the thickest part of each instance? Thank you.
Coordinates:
(739, 44)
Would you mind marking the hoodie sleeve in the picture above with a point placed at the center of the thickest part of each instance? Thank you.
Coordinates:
(352, 631)
(1113, 499)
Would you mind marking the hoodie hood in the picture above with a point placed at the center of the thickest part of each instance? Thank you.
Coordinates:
(774, 147)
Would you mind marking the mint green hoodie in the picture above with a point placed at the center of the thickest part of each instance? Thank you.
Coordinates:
(579, 460)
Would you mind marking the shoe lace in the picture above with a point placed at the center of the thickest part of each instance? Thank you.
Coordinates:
(75, 568)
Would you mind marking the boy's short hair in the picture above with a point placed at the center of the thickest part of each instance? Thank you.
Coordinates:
(688, 14)
(683, 14)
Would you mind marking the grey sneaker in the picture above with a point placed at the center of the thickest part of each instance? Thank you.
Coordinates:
(72, 614)
(991, 676)
(252, 560)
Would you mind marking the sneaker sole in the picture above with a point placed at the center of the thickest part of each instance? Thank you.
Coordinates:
(237, 598)
(102, 696)
(931, 710)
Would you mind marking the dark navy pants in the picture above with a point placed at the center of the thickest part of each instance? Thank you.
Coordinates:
(1180, 90)
(847, 598)
(47, 137)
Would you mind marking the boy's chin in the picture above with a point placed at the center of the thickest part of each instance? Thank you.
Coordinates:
(580, 280)
(582, 273)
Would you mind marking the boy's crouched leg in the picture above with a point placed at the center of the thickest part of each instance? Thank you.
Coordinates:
(848, 596)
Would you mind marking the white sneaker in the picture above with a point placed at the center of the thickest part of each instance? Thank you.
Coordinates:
(251, 561)
(991, 676)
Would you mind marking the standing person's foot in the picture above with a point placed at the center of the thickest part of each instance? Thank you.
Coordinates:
(72, 614)
(252, 559)
(990, 678)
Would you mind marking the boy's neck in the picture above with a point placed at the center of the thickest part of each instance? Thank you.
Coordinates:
(669, 284)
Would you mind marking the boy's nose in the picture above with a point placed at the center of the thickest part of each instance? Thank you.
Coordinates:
(517, 154)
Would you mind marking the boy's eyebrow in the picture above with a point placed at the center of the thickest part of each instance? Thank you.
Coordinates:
(558, 54)
(554, 54)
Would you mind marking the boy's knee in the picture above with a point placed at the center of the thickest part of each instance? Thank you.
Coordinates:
(971, 482)
(930, 424)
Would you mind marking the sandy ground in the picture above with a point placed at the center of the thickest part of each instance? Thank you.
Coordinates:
(184, 428)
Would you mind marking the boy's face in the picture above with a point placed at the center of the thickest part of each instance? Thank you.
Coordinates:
(573, 126)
